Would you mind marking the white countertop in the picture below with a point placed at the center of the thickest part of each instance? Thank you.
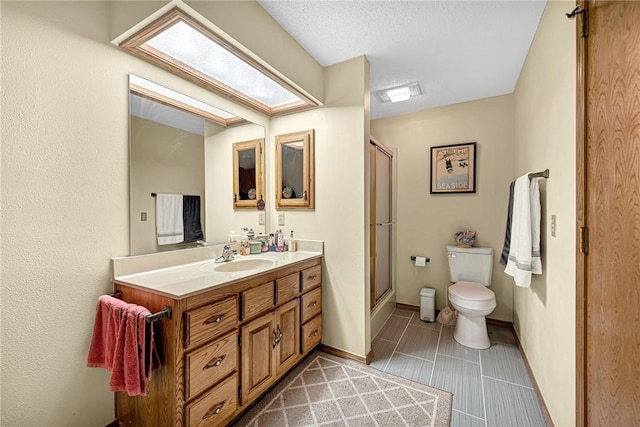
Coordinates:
(182, 281)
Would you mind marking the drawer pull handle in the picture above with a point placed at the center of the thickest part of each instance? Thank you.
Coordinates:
(216, 319)
(313, 304)
(314, 277)
(214, 411)
(313, 334)
(218, 362)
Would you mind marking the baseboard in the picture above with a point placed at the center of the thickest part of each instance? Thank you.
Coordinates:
(407, 307)
(493, 322)
(543, 406)
(346, 355)
(500, 323)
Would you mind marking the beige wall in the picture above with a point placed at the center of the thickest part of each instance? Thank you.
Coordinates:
(1, 222)
(163, 159)
(65, 207)
(65, 201)
(426, 222)
(544, 314)
(341, 153)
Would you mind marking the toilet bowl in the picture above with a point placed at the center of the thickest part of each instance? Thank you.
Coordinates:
(473, 301)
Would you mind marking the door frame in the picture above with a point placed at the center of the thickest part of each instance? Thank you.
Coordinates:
(372, 226)
(581, 221)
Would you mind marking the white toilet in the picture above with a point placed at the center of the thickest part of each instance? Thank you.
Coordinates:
(471, 270)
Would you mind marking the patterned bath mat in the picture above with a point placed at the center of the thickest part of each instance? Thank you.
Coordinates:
(325, 390)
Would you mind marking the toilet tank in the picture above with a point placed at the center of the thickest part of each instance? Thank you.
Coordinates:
(470, 264)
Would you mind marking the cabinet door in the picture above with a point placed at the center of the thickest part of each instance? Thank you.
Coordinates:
(258, 363)
(287, 319)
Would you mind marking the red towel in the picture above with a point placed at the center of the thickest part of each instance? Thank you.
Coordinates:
(128, 367)
(119, 336)
(105, 332)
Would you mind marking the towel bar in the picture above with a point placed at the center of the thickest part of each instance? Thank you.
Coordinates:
(164, 314)
(543, 174)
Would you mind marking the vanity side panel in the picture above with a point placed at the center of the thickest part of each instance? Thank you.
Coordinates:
(163, 405)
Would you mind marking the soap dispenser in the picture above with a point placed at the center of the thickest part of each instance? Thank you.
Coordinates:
(292, 243)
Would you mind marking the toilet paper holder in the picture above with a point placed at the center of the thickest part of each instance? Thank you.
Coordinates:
(413, 258)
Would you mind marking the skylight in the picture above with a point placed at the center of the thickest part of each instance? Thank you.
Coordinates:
(183, 46)
(150, 88)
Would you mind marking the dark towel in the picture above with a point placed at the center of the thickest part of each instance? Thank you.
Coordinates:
(191, 218)
(504, 257)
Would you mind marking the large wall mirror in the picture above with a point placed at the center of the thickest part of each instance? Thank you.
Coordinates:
(295, 170)
(182, 149)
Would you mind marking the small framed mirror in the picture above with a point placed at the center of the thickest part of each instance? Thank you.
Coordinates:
(248, 174)
(295, 170)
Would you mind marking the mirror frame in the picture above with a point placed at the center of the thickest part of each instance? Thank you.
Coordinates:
(307, 138)
(258, 146)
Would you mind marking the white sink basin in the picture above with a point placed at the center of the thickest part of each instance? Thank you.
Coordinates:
(244, 264)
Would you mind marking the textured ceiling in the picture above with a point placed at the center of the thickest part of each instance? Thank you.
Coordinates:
(457, 50)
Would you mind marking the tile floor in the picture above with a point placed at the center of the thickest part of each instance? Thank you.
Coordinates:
(491, 387)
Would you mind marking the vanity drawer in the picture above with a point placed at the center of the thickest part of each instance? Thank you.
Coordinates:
(311, 333)
(311, 304)
(287, 288)
(209, 364)
(311, 277)
(257, 300)
(214, 407)
(204, 323)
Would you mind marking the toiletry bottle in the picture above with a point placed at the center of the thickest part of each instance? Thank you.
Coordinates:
(293, 246)
(279, 241)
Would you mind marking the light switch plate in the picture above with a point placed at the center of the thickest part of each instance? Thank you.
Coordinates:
(143, 216)
(260, 218)
(280, 218)
(553, 225)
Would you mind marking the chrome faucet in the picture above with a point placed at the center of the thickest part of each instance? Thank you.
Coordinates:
(227, 254)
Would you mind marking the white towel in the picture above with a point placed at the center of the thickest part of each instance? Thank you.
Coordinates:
(524, 248)
(534, 194)
(169, 223)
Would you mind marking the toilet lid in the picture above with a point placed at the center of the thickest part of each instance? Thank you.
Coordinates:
(471, 291)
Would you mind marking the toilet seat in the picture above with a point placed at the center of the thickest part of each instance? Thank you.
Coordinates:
(472, 296)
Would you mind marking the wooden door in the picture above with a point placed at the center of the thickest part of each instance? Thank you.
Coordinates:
(287, 324)
(608, 276)
(258, 363)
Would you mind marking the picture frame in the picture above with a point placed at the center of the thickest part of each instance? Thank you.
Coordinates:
(453, 168)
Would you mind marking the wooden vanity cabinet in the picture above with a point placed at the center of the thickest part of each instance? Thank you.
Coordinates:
(224, 348)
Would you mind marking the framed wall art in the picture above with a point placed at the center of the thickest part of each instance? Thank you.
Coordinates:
(453, 168)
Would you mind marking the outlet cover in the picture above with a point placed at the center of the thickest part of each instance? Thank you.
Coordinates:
(553, 225)
(280, 218)
(260, 218)
(143, 216)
